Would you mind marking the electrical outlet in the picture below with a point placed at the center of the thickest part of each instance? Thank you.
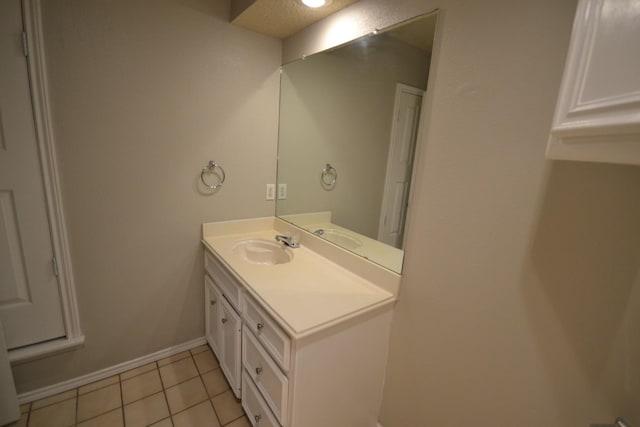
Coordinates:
(282, 191)
(271, 192)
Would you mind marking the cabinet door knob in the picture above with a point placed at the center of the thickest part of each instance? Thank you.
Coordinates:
(213, 302)
(257, 418)
(258, 370)
(260, 326)
(224, 320)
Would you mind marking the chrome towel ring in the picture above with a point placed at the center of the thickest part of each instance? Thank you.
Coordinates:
(209, 169)
(329, 176)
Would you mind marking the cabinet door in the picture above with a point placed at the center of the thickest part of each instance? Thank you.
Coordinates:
(212, 303)
(597, 117)
(231, 338)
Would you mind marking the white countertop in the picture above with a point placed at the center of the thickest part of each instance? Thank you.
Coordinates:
(306, 294)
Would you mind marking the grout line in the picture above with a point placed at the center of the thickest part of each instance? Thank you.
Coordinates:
(54, 403)
(77, 404)
(137, 375)
(164, 393)
(99, 388)
(214, 411)
(124, 421)
(244, 414)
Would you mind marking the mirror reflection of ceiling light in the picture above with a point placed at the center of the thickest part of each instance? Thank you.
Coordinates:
(315, 3)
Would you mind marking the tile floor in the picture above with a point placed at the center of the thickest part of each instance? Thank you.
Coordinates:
(186, 389)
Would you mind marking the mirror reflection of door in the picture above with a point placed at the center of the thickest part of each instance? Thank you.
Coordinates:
(404, 132)
(337, 107)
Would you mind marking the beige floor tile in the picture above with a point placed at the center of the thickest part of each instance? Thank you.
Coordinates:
(61, 414)
(25, 408)
(22, 422)
(174, 358)
(146, 411)
(227, 407)
(199, 415)
(110, 419)
(54, 399)
(164, 423)
(199, 349)
(205, 361)
(186, 394)
(178, 372)
(215, 382)
(141, 386)
(98, 402)
(240, 422)
(137, 371)
(98, 384)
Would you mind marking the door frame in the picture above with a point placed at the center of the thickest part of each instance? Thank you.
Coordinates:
(400, 87)
(36, 66)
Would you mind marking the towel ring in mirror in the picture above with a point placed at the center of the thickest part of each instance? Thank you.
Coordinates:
(209, 169)
(329, 176)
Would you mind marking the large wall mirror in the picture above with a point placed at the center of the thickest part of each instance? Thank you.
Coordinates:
(349, 121)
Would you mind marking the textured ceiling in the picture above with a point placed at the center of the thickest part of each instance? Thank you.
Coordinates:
(281, 18)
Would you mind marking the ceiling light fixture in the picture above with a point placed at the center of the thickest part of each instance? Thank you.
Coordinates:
(315, 3)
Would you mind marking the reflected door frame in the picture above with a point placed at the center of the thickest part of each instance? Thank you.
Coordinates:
(396, 192)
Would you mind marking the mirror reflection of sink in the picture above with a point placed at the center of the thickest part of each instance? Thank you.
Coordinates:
(262, 251)
(339, 238)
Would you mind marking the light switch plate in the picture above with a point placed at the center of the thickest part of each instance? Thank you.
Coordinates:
(282, 191)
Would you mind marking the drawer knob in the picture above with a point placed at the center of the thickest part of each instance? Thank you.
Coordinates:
(257, 418)
(258, 370)
(213, 302)
(260, 326)
(224, 320)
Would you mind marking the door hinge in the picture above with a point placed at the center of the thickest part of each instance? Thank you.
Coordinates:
(25, 43)
(54, 265)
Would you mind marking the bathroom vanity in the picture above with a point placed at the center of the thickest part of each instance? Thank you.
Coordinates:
(301, 333)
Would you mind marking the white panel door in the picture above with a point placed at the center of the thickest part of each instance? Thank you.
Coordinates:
(404, 132)
(30, 308)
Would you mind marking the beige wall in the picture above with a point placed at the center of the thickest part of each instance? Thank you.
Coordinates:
(143, 94)
(337, 108)
(520, 302)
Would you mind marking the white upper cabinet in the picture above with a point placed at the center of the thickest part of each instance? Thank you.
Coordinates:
(597, 117)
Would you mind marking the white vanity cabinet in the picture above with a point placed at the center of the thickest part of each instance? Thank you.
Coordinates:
(332, 375)
(597, 115)
(223, 324)
(330, 378)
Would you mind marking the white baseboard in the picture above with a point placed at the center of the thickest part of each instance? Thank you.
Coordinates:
(41, 393)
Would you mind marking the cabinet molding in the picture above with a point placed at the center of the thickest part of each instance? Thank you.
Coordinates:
(597, 116)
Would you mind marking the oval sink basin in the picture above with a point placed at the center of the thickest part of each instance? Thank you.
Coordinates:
(339, 238)
(261, 251)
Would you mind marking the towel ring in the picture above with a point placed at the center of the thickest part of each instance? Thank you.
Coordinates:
(329, 175)
(209, 169)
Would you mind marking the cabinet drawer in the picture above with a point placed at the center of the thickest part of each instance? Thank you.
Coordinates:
(275, 341)
(229, 286)
(269, 379)
(254, 405)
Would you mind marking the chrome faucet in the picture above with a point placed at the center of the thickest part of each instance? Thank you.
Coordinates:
(287, 240)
